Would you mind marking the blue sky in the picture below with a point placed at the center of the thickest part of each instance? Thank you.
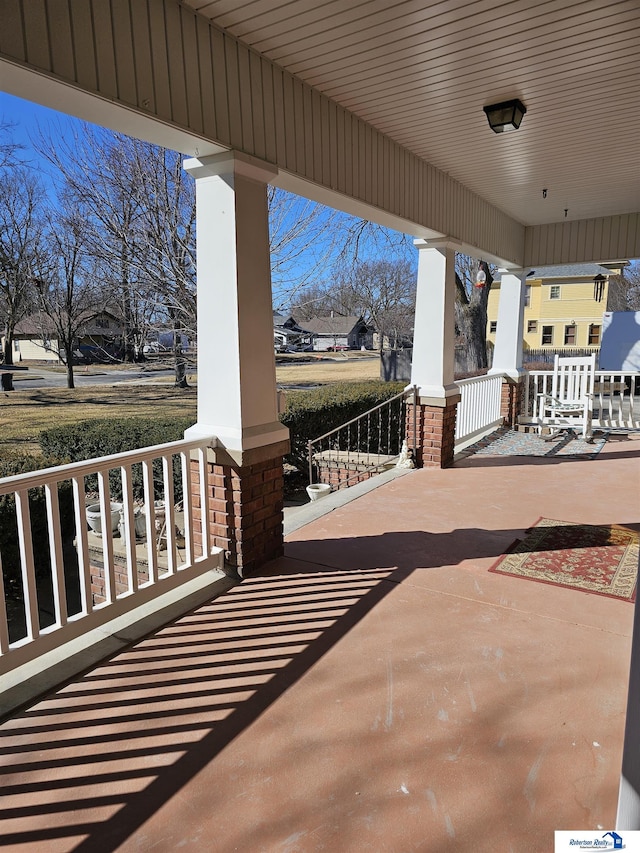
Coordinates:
(28, 118)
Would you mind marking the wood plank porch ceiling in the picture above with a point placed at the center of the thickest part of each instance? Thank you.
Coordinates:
(422, 71)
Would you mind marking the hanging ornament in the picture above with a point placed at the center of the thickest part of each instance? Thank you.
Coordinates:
(481, 278)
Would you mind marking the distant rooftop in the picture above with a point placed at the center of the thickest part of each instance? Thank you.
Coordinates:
(574, 271)
(336, 325)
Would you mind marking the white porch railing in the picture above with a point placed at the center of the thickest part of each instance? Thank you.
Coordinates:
(616, 402)
(56, 568)
(478, 410)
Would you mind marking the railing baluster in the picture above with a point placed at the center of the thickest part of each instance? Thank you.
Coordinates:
(187, 507)
(118, 585)
(27, 564)
(4, 623)
(129, 528)
(359, 435)
(82, 545)
(169, 516)
(204, 502)
(415, 419)
(150, 512)
(107, 537)
(310, 460)
(55, 551)
(479, 406)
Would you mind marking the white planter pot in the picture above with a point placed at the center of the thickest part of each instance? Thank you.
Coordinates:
(94, 519)
(318, 490)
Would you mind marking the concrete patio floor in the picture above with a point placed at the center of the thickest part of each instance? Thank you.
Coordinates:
(377, 689)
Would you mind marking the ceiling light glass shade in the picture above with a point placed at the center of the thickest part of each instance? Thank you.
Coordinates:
(505, 116)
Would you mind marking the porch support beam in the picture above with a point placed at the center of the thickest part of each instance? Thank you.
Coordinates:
(236, 368)
(628, 816)
(432, 368)
(434, 329)
(237, 399)
(507, 352)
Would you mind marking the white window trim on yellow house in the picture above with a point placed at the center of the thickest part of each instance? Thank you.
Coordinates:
(557, 299)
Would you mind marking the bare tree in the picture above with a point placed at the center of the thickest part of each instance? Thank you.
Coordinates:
(624, 289)
(382, 292)
(140, 208)
(95, 171)
(303, 237)
(8, 146)
(473, 283)
(21, 197)
(315, 300)
(169, 221)
(67, 292)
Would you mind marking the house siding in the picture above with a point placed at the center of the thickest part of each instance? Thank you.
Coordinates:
(576, 303)
(34, 349)
(164, 61)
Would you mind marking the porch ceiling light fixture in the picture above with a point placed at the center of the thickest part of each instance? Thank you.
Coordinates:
(505, 116)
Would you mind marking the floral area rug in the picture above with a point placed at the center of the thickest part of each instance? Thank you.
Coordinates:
(508, 442)
(593, 558)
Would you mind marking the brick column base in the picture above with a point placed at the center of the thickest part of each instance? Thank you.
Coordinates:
(245, 511)
(435, 427)
(511, 400)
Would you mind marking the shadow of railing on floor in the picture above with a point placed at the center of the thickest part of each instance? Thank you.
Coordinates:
(94, 761)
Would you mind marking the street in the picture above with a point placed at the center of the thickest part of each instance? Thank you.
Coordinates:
(38, 377)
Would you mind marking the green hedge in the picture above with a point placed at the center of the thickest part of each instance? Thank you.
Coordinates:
(105, 436)
(310, 414)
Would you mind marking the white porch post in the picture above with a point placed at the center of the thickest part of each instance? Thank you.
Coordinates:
(432, 368)
(434, 331)
(507, 352)
(628, 816)
(243, 492)
(236, 368)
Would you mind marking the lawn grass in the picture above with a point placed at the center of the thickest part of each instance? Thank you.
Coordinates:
(324, 370)
(24, 414)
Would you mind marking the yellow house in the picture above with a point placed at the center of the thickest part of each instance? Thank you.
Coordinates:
(563, 307)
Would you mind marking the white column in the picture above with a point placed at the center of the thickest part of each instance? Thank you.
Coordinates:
(507, 352)
(628, 817)
(236, 365)
(432, 368)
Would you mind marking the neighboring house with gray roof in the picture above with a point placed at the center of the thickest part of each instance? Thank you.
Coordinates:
(336, 331)
(35, 338)
(287, 333)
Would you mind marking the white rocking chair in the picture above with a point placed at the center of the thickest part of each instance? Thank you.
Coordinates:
(570, 403)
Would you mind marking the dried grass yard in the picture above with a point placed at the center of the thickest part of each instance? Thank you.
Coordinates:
(318, 369)
(25, 413)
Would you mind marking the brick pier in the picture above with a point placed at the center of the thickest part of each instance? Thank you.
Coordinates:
(511, 400)
(435, 427)
(245, 507)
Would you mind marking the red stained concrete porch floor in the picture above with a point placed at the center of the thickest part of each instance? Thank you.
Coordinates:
(377, 689)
